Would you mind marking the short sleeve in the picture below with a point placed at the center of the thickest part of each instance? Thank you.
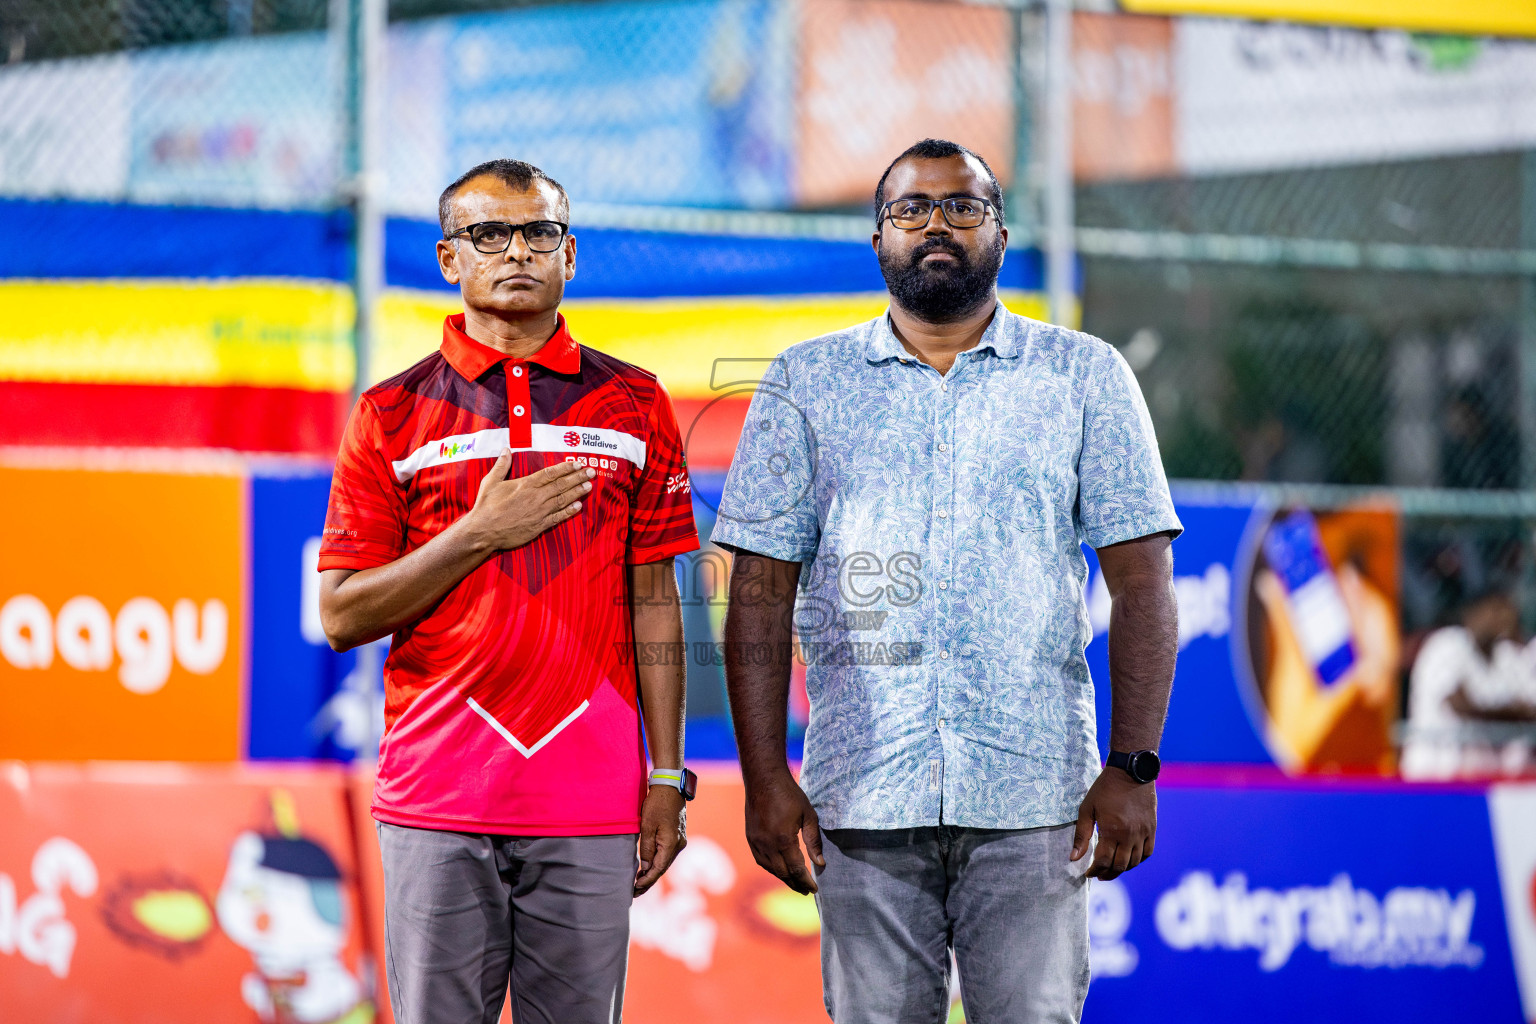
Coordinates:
(768, 504)
(1436, 673)
(661, 511)
(365, 523)
(1122, 491)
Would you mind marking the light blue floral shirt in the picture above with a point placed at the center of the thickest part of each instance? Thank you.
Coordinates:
(938, 520)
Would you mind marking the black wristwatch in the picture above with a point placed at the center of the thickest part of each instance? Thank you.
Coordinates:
(1141, 765)
(681, 779)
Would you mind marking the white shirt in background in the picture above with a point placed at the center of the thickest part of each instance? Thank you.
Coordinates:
(1435, 747)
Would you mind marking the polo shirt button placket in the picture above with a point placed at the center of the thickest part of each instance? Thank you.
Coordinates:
(519, 406)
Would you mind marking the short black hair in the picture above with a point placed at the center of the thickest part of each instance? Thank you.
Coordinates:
(938, 149)
(516, 173)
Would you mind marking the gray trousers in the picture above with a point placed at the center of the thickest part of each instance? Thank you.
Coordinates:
(467, 914)
(1008, 902)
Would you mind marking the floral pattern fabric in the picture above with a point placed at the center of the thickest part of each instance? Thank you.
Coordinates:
(939, 522)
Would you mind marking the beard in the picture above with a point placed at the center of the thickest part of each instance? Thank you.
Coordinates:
(942, 293)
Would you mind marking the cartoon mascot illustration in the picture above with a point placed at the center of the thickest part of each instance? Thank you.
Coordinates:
(282, 902)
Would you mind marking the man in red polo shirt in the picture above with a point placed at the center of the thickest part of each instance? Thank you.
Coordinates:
(509, 508)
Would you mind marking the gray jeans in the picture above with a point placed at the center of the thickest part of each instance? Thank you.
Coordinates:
(1008, 902)
(465, 914)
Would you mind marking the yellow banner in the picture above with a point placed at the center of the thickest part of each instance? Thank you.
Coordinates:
(298, 334)
(1454, 17)
(260, 333)
(676, 339)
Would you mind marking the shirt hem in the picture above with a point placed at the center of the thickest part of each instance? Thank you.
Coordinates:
(640, 556)
(1048, 821)
(357, 562)
(452, 823)
(1119, 531)
(758, 546)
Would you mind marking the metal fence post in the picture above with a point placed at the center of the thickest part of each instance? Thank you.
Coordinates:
(1527, 323)
(1022, 214)
(362, 25)
(1058, 159)
(1527, 411)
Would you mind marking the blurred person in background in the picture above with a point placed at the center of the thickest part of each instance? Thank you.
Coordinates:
(1467, 681)
(1479, 447)
(935, 469)
(509, 508)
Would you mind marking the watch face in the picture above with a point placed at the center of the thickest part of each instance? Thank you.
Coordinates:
(1145, 766)
(690, 785)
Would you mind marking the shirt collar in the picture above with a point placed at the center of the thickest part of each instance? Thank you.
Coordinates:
(472, 358)
(1001, 336)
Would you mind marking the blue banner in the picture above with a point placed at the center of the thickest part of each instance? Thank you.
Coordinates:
(1211, 716)
(305, 700)
(1301, 905)
(654, 103)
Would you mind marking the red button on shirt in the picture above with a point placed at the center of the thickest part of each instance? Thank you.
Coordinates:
(511, 707)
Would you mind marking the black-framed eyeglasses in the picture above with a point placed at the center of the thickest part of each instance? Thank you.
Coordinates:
(911, 214)
(493, 236)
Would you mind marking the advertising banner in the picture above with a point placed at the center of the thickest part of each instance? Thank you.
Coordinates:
(878, 75)
(1269, 96)
(249, 122)
(1466, 17)
(156, 894)
(150, 894)
(259, 365)
(1122, 97)
(305, 700)
(1306, 905)
(718, 938)
(651, 103)
(122, 614)
(1212, 716)
(1514, 835)
(1289, 639)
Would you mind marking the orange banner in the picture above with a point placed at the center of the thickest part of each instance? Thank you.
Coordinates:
(1122, 97)
(878, 76)
(718, 938)
(122, 614)
(158, 894)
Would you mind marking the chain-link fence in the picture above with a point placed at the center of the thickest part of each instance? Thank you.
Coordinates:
(1315, 246)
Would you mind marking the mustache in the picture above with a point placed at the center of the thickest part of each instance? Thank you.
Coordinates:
(939, 244)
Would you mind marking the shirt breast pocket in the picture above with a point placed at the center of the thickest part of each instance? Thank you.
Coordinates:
(1030, 491)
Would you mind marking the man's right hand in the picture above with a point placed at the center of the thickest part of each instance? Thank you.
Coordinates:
(510, 513)
(778, 817)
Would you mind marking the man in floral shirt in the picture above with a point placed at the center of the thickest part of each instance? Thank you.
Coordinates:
(925, 481)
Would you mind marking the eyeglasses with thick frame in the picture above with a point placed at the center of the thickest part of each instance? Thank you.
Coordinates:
(494, 236)
(958, 212)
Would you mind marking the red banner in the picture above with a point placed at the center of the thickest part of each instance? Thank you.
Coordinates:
(162, 893)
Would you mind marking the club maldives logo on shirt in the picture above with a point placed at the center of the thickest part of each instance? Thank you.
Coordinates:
(453, 449)
(574, 439)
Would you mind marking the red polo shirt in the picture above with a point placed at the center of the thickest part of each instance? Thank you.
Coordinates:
(511, 706)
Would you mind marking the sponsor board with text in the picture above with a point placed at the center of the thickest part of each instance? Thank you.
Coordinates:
(137, 893)
(167, 893)
(122, 614)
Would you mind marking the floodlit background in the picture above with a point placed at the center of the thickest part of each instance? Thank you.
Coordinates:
(1313, 239)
